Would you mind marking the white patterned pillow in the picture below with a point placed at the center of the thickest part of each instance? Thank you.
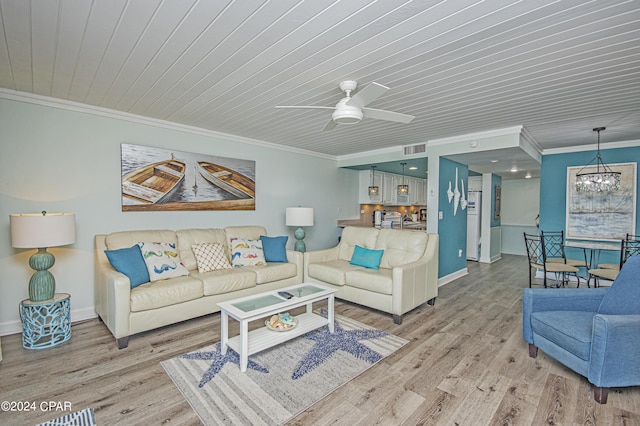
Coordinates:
(162, 260)
(246, 252)
(210, 257)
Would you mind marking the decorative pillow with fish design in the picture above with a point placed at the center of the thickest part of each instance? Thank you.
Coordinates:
(246, 252)
(162, 260)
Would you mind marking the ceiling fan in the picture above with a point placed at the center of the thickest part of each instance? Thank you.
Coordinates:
(351, 110)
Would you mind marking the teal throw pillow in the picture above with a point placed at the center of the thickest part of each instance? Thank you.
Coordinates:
(129, 261)
(274, 248)
(366, 257)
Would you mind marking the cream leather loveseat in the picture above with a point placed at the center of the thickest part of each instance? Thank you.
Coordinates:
(406, 278)
(127, 311)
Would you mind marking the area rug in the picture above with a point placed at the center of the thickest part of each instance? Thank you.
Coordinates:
(79, 418)
(280, 382)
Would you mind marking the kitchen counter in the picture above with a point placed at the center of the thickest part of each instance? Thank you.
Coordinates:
(420, 226)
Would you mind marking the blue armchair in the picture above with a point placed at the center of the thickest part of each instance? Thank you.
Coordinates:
(593, 331)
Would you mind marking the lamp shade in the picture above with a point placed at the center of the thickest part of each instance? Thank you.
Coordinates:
(41, 230)
(299, 216)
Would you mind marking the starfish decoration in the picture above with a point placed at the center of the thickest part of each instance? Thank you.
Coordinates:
(219, 361)
(327, 343)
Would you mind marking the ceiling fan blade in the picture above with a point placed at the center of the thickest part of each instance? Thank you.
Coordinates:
(330, 125)
(380, 114)
(367, 95)
(304, 107)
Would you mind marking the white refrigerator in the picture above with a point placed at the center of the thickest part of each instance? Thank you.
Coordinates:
(474, 211)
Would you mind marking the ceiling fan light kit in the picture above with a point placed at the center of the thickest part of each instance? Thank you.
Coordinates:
(352, 109)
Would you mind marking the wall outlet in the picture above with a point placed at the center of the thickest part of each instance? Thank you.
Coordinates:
(460, 253)
(440, 216)
(362, 211)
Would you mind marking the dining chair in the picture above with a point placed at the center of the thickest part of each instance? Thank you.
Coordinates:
(554, 247)
(629, 246)
(537, 257)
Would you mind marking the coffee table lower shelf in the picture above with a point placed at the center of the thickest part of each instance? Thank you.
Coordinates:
(262, 338)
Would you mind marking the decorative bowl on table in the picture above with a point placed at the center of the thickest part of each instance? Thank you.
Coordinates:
(281, 322)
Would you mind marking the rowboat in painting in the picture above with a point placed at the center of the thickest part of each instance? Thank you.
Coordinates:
(153, 183)
(228, 179)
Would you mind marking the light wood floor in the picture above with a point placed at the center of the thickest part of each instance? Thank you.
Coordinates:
(466, 364)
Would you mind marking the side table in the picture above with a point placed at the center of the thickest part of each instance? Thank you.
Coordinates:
(46, 323)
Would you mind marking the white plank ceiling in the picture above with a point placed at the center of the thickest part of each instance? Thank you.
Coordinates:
(559, 68)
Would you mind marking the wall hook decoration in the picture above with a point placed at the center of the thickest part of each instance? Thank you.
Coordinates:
(463, 200)
(456, 195)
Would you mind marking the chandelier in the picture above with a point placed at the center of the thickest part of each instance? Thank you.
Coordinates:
(602, 179)
(373, 189)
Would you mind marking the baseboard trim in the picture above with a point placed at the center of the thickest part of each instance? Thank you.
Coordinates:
(77, 315)
(452, 276)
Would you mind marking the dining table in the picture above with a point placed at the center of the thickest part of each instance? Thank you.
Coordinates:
(593, 249)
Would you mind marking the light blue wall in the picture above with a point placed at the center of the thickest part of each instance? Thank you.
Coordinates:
(68, 160)
(452, 228)
(553, 188)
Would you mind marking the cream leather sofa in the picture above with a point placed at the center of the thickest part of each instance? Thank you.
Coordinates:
(407, 276)
(127, 311)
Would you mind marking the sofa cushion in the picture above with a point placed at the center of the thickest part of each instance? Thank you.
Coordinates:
(376, 280)
(210, 257)
(165, 293)
(366, 257)
(275, 248)
(333, 272)
(162, 260)
(570, 330)
(246, 252)
(129, 261)
(118, 240)
(352, 236)
(187, 238)
(400, 247)
(226, 280)
(273, 272)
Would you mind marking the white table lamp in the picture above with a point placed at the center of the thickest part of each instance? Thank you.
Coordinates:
(40, 231)
(299, 216)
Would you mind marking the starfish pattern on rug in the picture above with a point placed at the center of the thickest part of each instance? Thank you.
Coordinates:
(327, 343)
(219, 361)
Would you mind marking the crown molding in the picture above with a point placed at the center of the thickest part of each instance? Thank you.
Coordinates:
(41, 100)
(592, 147)
(478, 135)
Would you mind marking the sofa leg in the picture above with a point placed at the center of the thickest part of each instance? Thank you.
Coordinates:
(397, 319)
(431, 302)
(533, 350)
(600, 395)
(122, 342)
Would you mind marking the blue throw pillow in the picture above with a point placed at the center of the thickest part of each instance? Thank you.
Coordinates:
(366, 257)
(129, 261)
(274, 248)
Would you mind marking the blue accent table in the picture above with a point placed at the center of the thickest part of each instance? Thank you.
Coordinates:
(46, 323)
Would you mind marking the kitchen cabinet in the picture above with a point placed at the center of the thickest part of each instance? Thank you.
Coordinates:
(389, 188)
(418, 191)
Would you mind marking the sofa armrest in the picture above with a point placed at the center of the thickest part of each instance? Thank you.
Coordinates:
(318, 256)
(557, 299)
(297, 258)
(112, 293)
(615, 360)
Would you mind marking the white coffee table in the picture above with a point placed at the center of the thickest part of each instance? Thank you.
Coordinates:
(263, 305)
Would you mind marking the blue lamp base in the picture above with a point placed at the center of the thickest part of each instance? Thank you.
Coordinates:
(300, 246)
(42, 285)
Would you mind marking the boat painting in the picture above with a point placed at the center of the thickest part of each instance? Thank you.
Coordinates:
(153, 183)
(227, 179)
(156, 179)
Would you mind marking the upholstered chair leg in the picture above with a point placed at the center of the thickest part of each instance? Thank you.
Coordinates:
(122, 342)
(397, 319)
(533, 350)
(600, 395)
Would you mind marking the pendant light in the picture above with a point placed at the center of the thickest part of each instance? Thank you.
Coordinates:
(403, 189)
(602, 179)
(373, 189)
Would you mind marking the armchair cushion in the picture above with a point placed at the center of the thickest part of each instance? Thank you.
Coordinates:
(623, 298)
(569, 329)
